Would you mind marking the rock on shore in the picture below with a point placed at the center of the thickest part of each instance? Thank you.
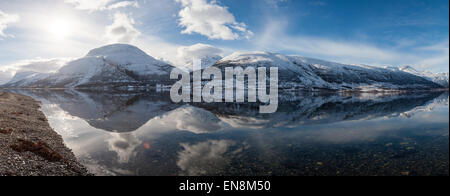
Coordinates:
(28, 145)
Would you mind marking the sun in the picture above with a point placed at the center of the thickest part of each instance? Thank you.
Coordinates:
(59, 28)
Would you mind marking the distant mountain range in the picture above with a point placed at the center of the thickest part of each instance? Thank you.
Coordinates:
(439, 78)
(123, 66)
(306, 73)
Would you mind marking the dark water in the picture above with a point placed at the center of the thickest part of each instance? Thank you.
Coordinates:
(311, 134)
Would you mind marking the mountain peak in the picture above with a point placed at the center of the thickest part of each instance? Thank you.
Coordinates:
(408, 68)
(206, 61)
(27, 77)
(257, 57)
(114, 49)
(129, 57)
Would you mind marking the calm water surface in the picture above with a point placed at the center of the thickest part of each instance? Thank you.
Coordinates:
(311, 134)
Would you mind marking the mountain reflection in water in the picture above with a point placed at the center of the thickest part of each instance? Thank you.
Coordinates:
(311, 134)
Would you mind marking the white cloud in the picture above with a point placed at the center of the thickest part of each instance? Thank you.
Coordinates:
(205, 158)
(44, 65)
(185, 54)
(89, 4)
(94, 5)
(198, 51)
(5, 20)
(37, 65)
(124, 144)
(210, 19)
(123, 4)
(122, 30)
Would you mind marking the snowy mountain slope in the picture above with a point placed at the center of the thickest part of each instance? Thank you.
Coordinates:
(26, 78)
(87, 70)
(290, 74)
(123, 66)
(439, 78)
(112, 65)
(363, 77)
(5, 77)
(207, 61)
(130, 58)
(307, 73)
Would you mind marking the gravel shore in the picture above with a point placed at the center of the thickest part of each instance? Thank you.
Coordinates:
(28, 145)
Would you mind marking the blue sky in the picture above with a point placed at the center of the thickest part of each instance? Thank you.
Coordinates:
(374, 32)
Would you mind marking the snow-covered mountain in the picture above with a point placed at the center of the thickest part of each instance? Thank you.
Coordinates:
(122, 66)
(307, 73)
(26, 78)
(5, 77)
(207, 61)
(439, 78)
(130, 58)
(113, 66)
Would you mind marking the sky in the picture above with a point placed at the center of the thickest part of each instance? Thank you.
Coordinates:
(40, 35)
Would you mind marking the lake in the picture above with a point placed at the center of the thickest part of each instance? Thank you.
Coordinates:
(144, 133)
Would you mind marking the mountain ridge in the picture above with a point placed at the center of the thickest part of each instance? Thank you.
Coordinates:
(439, 78)
(111, 65)
(307, 73)
(124, 66)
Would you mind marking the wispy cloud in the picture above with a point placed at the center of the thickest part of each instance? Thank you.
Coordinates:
(439, 57)
(275, 38)
(210, 19)
(5, 20)
(94, 5)
(317, 3)
(123, 4)
(275, 3)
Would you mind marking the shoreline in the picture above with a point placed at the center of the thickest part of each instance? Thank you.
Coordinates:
(28, 145)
